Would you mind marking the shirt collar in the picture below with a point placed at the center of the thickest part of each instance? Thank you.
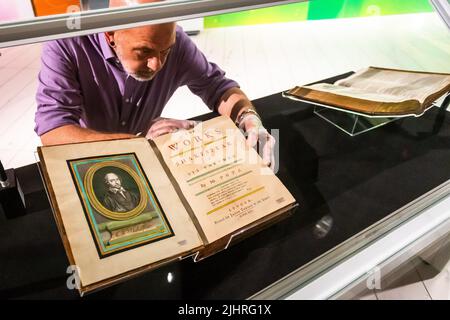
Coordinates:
(115, 190)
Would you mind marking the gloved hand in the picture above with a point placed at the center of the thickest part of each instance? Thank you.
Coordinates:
(256, 132)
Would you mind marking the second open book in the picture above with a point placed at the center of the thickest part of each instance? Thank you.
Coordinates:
(126, 206)
(378, 92)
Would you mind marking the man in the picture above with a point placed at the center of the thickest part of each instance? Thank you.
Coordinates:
(115, 85)
(118, 199)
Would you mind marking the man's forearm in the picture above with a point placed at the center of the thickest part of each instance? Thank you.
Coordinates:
(74, 134)
(233, 103)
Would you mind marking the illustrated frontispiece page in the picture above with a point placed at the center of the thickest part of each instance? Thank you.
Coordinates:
(224, 180)
(118, 208)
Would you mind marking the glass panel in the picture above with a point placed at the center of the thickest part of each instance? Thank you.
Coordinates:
(418, 272)
(442, 7)
(345, 185)
(28, 9)
(36, 20)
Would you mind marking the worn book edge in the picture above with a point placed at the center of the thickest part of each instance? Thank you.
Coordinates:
(369, 107)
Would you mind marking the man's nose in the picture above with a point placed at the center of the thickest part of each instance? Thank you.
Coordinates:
(154, 63)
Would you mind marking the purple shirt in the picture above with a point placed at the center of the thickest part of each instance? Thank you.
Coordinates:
(82, 82)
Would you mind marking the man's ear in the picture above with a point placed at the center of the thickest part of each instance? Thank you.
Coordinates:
(110, 38)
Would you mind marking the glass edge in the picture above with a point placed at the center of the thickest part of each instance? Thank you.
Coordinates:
(57, 27)
(310, 271)
(400, 258)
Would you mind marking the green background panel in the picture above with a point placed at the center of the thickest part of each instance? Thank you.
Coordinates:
(319, 9)
(290, 12)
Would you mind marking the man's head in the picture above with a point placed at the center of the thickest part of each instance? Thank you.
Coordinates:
(112, 181)
(143, 50)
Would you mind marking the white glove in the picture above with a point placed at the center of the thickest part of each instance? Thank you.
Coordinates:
(256, 132)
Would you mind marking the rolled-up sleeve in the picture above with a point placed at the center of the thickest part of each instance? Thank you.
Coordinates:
(59, 99)
(203, 78)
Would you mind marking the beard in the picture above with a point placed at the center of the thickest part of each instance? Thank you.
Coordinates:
(142, 76)
(139, 75)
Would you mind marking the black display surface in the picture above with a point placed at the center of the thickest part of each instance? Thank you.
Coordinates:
(349, 183)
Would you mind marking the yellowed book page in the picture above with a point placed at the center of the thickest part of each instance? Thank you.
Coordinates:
(224, 181)
(387, 85)
(118, 207)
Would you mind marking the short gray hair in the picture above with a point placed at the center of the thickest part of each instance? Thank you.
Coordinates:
(105, 178)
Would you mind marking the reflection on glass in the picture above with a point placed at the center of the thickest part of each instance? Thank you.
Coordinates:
(94, 4)
(169, 277)
(29, 9)
(323, 227)
(129, 3)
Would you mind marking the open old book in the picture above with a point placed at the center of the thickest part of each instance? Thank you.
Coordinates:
(127, 206)
(378, 92)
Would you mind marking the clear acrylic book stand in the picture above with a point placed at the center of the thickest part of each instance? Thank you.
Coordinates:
(354, 123)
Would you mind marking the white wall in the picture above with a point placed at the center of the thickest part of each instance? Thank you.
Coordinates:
(15, 10)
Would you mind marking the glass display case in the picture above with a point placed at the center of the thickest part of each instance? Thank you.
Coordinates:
(443, 9)
(84, 19)
(369, 204)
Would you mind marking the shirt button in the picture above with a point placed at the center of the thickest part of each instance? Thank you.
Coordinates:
(127, 100)
(123, 123)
